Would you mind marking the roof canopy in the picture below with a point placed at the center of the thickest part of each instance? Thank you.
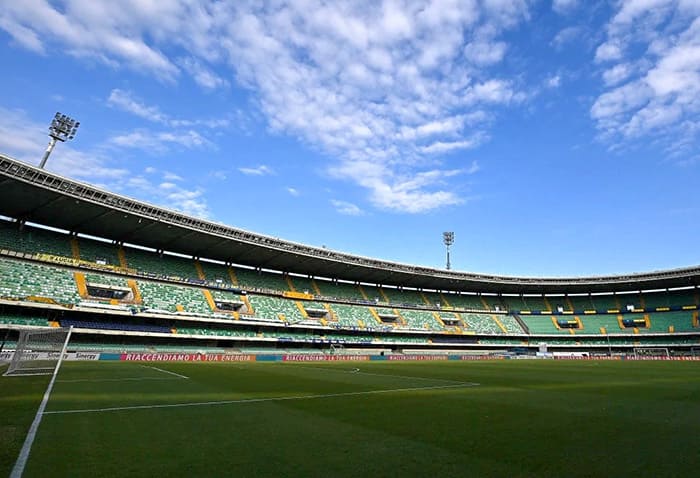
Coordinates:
(36, 195)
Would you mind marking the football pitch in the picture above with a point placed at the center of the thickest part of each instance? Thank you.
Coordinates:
(495, 418)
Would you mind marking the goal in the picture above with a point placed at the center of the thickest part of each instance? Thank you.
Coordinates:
(39, 351)
(651, 353)
(336, 349)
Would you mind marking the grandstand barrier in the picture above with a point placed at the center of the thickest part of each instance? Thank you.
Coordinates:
(6, 355)
(73, 262)
(297, 295)
(185, 357)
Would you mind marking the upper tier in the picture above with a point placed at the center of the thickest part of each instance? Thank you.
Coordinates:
(33, 194)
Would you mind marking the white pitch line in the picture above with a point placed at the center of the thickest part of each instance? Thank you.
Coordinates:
(126, 379)
(165, 371)
(258, 400)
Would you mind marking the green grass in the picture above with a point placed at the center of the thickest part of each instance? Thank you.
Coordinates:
(526, 418)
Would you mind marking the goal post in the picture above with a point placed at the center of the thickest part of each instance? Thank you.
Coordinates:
(39, 351)
(651, 353)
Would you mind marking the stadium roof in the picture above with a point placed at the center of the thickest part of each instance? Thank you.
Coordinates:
(36, 195)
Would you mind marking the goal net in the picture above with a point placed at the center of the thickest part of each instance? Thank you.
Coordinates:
(38, 351)
(651, 353)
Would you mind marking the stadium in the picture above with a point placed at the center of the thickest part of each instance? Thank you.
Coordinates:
(138, 284)
(394, 238)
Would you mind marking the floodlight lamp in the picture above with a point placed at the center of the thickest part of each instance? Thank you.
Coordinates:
(448, 238)
(62, 128)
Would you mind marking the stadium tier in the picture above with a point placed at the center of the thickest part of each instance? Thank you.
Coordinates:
(165, 265)
(510, 324)
(173, 298)
(33, 240)
(26, 279)
(354, 316)
(96, 251)
(463, 301)
(537, 303)
(304, 285)
(514, 303)
(217, 273)
(24, 321)
(398, 296)
(268, 307)
(166, 301)
(251, 279)
(542, 324)
(338, 290)
(482, 323)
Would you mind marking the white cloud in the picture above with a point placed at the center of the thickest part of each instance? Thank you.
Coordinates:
(24, 36)
(159, 142)
(346, 208)
(168, 176)
(166, 194)
(616, 74)
(356, 80)
(446, 126)
(261, 170)
(565, 36)
(125, 101)
(375, 83)
(608, 52)
(411, 193)
(631, 10)
(107, 32)
(620, 101)
(202, 75)
(188, 201)
(553, 81)
(564, 6)
(653, 75)
(441, 147)
(495, 91)
(293, 191)
(485, 53)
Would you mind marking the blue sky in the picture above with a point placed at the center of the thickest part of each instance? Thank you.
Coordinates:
(553, 137)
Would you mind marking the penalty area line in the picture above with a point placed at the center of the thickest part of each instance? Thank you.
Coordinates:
(165, 371)
(259, 400)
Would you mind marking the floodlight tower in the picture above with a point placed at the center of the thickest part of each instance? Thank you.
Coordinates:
(62, 128)
(448, 238)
